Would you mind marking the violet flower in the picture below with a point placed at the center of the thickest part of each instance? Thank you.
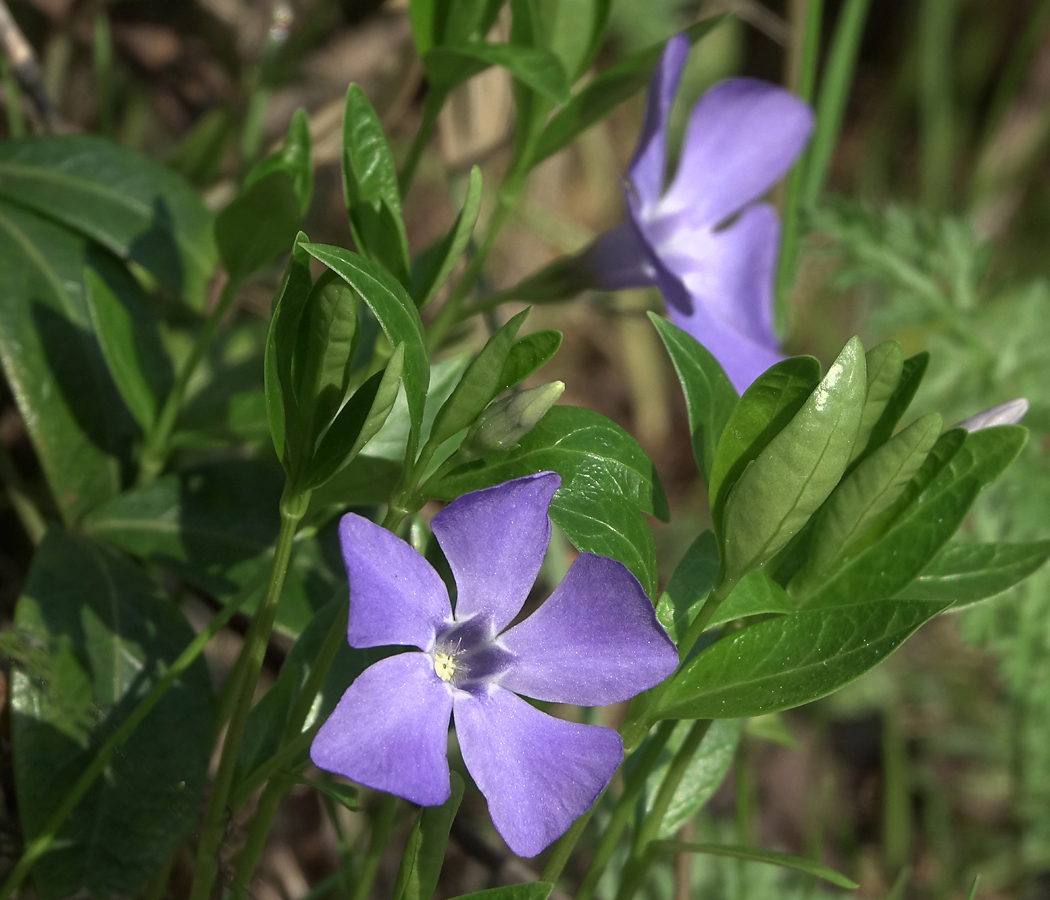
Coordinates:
(705, 242)
(1009, 413)
(595, 641)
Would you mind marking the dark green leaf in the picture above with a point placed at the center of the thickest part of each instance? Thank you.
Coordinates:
(373, 202)
(885, 364)
(444, 257)
(258, 225)
(97, 639)
(797, 469)
(689, 586)
(885, 565)
(791, 660)
(755, 594)
(536, 890)
(966, 573)
(293, 159)
(424, 853)
(536, 68)
(709, 396)
(527, 355)
(911, 377)
(750, 854)
(127, 202)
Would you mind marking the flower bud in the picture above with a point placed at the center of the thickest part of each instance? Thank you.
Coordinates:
(507, 421)
(1009, 413)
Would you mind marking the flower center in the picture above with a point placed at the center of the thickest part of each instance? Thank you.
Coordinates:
(466, 653)
(445, 665)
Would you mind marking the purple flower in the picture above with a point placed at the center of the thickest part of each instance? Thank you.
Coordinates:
(704, 241)
(1009, 413)
(595, 641)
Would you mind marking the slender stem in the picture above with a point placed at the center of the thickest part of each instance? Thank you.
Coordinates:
(271, 767)
(650, 830)
(432, 104)
(743, 814)
(624, 807)
(566, 844)
(381, 829)
(33, 522)
(722, 589)
(155, 451)
(293, 507)
(98, 765)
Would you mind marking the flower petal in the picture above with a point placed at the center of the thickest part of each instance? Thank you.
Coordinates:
(595, 641)
(649, 165)
(539, 774)
(396, 597)
(390, 731)
(616, 260)
(495, 540)
(743, 136)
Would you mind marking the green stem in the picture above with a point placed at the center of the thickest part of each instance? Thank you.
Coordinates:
(293, 507)
(566, 844)
(155, 451)
(42, 842)
(723, 588)
(381, 829)
(624, 808)
(271, 767)
(33, 522)
(432, 104)
(743, 814)
(650, 830)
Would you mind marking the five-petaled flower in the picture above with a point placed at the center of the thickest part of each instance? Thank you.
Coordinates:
(596, 640)
(705, 242)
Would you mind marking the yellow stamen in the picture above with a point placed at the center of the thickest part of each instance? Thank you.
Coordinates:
(445, 666)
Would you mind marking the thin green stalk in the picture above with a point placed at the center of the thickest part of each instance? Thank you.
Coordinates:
(16, 120)
(271, 767)
(566, 844)
(381, 830)
(432, 104)
(936, 48)
(33, 522)
(624, 808)
(743, 815)
(155, 451)
(102, 52)
(39, 846)
(293, 507)
(637, 865)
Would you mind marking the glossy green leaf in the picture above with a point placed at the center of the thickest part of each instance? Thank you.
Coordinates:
(884, 364)
(534, 67)
(797, 469)
(424, 853)
(709, 396)
(444, 257)
(965, 573)
(527, 356)
(865, 494)
(479, 384)
(689, 586)
(756, 594)
(911, 377)
(764, 409)
(294, 159)
(791, 660)
(75, 417)
(534, 890)
(751, 854)
(258, 225)
(396, 312)
(127, 334)
(592, 454)
(702, 777)
(130, 204)
(911, 537)
(373, 202)
(97, 638)
(606, 92)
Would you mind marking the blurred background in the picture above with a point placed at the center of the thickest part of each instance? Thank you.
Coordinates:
(935, 231)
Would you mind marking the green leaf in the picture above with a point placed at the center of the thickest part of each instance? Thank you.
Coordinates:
(910, 537)
(343, 794)
(534, 67)
(258, 225)
(293, 159)
(689, 586)
(373, 202)
(98, 638)
(130, 204)
(424, 853)
(606, 92)
(199, 154)
(755, 594)
(911, 377)
(798, 469)
(527, 355)
(750, 854)
(965, 573)
(78, 424)
(884, 364)
(572, 30)
(127, 333)
(395, 311)
(791, 660)
(702, 777)
(591, 453)
(535, 890)
(709, 396)
(865, 494)
(444, 257)
(764, 409)
(478, 385)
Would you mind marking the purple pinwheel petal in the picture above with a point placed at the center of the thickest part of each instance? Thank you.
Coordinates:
(539, 774)
(495, 540)
(390, 731)
(616, 260)
(396, 597)
(649, 164)
(743, 136)
(595, 641)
